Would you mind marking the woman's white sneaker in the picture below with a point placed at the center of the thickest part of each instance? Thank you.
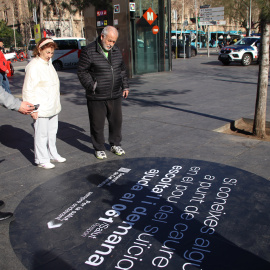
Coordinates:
(46, 165)
(60, 160)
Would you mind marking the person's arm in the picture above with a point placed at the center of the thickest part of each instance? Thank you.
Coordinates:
(125, 84)
(31, 81)
(12, 103)
(8, 100)
(83, 72)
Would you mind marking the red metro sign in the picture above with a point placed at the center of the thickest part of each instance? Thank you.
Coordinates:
(150, 16)
(155, 29)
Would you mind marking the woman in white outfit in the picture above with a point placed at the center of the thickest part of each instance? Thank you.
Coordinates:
(41, 86)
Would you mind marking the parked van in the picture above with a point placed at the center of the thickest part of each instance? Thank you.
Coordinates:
(67, 54)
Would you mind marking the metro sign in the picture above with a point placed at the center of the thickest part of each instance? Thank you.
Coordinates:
(150, 16)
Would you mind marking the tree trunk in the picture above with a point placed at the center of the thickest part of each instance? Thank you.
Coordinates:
(259, 125)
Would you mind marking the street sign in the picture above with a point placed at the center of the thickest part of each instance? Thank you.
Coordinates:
(211, 9)
(37, 33)
(221, 22)
(216, 18)
(207, 23)
(150, 16)
(117, 8)
(206, 14)
(132, 7)
(155, 29)
(205, 6)
(212, 23)
(211, 14)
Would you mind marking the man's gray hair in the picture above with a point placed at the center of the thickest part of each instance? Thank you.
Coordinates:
(108, 29)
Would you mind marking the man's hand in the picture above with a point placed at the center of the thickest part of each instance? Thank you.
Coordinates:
(125, 93)
(7, 71)
(26, 107)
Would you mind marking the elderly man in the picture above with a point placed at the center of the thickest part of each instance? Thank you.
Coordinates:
(12, 103)
(102, 73)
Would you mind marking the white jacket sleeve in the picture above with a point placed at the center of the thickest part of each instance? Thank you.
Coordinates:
(30, 82)
(9, 100)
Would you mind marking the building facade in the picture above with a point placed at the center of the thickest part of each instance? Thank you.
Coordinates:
(143, 27)
(57, 19)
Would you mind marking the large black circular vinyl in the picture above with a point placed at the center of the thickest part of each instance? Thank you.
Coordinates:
(146, 213)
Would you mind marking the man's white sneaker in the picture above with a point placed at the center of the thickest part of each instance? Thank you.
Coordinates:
(100, 154)
(46, 165)
(117, 150)
(61, 160)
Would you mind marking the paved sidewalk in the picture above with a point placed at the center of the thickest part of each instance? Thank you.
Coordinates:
(171, 114)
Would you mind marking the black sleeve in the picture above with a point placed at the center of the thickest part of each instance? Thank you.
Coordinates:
(83, 72)
(125, 84)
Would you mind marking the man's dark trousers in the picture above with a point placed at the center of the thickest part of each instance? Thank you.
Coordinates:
(98, 112)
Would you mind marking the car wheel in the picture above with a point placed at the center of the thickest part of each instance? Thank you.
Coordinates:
(57, 65)
(246, 59)
(173, 55)
(225, 62)
(193, 53)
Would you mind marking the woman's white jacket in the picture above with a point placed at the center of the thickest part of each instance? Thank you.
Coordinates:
(41, 86)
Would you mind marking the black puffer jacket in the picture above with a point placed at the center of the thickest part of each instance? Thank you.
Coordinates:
(102, 78)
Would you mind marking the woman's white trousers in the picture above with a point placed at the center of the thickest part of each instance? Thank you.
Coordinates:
(45, 139)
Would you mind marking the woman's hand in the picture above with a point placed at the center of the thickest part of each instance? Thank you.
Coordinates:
(34, 115)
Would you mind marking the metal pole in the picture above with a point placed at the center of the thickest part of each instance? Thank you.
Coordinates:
(196, 21)
(169, 37)
(176, 43)
(183, 7)
(41, 19)
(184, 46)
(208, 33)
(14, 31)
(247, 23)
(249, 17)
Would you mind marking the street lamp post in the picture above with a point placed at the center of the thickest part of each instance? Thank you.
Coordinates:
(182, 28)
(175, 20)
(15, 43)
(249, 17)
(196, 21)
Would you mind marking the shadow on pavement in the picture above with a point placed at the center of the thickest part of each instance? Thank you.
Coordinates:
(17, 138)
(72, 135)
(145, 103)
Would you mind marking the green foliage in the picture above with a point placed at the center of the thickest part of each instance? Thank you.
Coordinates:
(7, 35)
(238, 10)
(265, 10)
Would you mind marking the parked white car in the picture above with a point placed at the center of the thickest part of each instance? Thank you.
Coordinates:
(68, 52)
(244, 51)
